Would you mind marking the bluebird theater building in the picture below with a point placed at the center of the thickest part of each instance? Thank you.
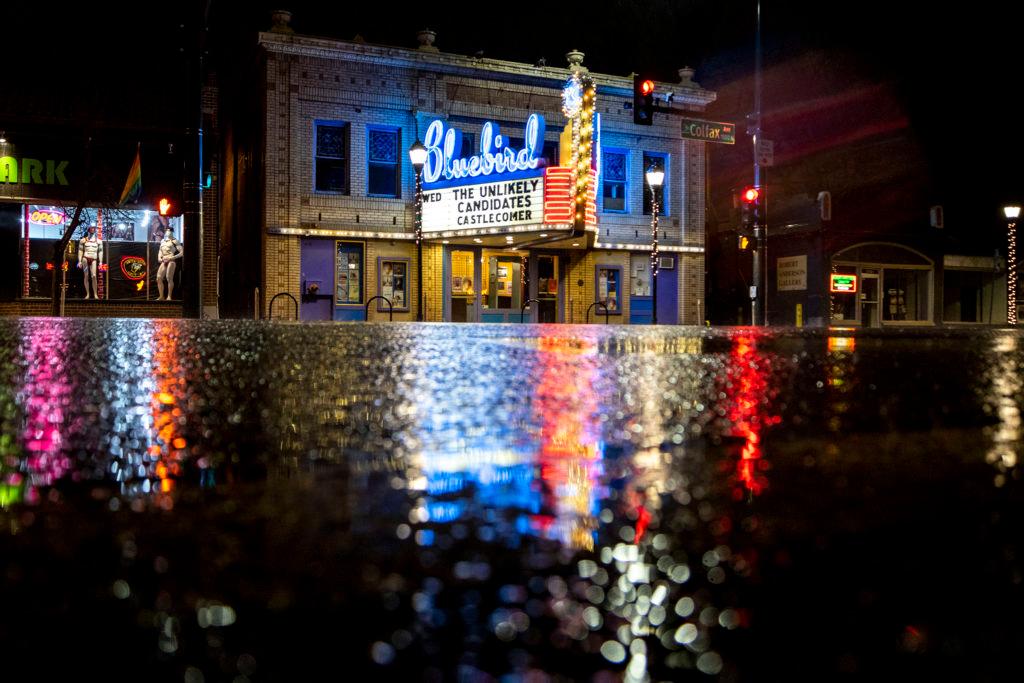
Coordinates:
(532, 203)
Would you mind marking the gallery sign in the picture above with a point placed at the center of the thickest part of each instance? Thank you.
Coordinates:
(791, 273)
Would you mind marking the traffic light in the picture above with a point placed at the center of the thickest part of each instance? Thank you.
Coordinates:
(643, 100)
(752, 202)
(164, 206)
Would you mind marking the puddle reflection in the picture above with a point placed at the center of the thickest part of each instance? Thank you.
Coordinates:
(488, 502)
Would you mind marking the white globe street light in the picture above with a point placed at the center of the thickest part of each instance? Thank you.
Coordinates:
(655, 177)
(418, 157)
(1012, 212)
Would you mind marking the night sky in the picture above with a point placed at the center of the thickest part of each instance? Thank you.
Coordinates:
(943, 78)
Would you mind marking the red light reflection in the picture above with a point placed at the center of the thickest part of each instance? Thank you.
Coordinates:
(571, 449)
(169, 447)
(746, 389)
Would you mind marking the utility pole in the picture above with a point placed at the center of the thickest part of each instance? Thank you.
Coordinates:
(758, 309)
(194, 43)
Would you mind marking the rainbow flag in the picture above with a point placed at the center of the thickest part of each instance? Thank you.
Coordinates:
(133, 185)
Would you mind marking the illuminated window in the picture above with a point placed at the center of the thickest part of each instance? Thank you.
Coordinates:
(659, 161)
(905, 294)
(383, 162)
(613, 180)
(330, 167)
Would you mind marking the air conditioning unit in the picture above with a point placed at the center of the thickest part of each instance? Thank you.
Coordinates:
(666, 262)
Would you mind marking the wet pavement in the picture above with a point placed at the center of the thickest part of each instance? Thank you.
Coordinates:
(233, 501)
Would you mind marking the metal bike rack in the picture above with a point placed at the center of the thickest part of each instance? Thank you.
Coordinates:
(598, 303)
(295, 303)
(522, 311)
(391, 312)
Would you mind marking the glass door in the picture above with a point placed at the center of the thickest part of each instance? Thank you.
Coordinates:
(503, 286)
(463, 286)
(547, 288)
(869, 298)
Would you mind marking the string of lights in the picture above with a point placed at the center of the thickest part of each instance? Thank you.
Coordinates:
(1011, 273)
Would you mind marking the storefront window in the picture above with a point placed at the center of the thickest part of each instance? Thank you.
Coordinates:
(348, 276)
(392, 283)
(905, 294)
(504, 280)
(844, 304)
(123, 248)
(609, 287)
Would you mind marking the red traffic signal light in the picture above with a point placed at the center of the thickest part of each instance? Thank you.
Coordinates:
(753, 208)
(643, 100)
(164, 206)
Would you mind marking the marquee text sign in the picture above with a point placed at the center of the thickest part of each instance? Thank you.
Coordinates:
(488, 205)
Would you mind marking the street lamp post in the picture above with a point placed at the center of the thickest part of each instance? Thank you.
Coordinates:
(655, 177)
(1012, 213)
(418, 157)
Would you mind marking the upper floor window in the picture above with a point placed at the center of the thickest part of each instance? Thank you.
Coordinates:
(613, 180)
(660, 162)
(551, 152)
(330, 169)
(383, 166)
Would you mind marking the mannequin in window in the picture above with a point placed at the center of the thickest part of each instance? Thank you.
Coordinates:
(90, 249)
(170, 251)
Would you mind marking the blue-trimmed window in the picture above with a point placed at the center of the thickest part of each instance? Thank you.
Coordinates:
(660, 161)
(383, 162)
(614, 175)
(330, 157)
(467, 146)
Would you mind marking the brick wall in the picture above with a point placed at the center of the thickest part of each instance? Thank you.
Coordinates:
(95, 309)
(211, 197)
(282, 269)
(693, 303)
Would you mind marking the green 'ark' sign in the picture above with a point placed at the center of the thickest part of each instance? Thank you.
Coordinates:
(33, 171)
(709, 131)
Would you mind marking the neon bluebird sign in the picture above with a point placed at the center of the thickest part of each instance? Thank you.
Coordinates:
(495, 157)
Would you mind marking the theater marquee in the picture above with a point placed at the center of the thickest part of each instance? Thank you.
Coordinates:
(501, 187)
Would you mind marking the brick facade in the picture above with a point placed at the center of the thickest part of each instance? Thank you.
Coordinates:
(360, 86)
(94, 309)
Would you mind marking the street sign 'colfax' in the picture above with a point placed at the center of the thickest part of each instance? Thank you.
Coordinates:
(709, 131)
